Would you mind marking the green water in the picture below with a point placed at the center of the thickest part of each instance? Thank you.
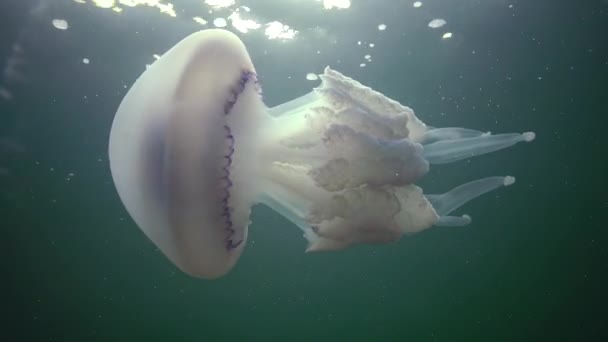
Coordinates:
(531, 266)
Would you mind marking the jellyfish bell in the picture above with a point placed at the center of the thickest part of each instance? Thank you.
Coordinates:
(173, 151)
(193, 147)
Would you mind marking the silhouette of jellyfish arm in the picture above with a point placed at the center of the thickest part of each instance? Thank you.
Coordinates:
(193, 148)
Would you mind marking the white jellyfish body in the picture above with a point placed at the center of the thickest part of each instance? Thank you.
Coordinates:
(193, 148)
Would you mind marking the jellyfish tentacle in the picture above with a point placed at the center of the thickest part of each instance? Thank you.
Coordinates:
(453, 221)
(283, 207)
(450, 133)
(460, 195)
(298, 105)
(447, 151)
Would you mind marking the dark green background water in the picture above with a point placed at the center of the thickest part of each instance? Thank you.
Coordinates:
(531, 267)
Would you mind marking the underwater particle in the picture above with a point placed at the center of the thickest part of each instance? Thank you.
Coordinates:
(382, 27)
(219, 3)
(417, 4)
(278, 30)
(437, 23)
(362, 65)
(339, 4)
(60, 24)
(86, 61)
(368, 57)
(371, 45)
(312, 76)
(200, 20)
(104, 3)
(447, 35)
(243, 25)
(220, 22)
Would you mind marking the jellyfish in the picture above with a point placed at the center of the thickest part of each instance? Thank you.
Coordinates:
(193, 147)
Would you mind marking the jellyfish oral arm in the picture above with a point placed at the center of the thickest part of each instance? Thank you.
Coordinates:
(341, 163)
(451, 150)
